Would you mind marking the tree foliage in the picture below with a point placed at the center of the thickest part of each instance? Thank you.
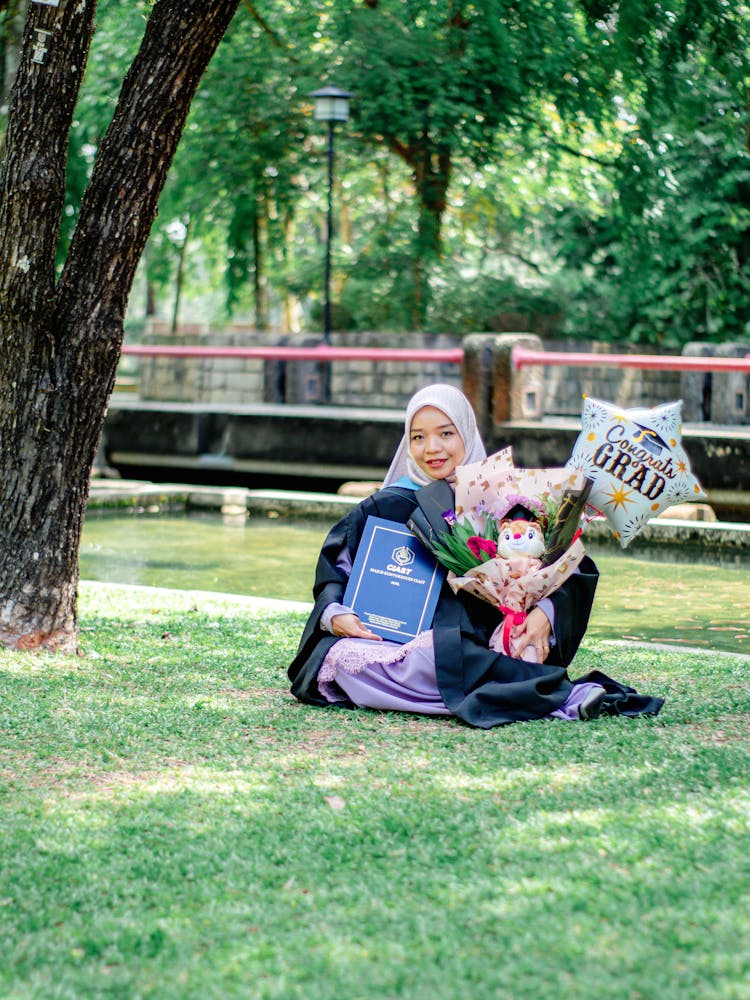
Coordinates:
(440, 82)
(582, 162)
(666, 261)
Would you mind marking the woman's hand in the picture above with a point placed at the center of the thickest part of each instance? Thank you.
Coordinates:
(349, 626)
(534, 631)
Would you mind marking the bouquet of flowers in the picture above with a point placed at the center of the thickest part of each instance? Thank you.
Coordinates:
(514, 536)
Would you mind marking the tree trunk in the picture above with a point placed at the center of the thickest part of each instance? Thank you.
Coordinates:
(290, 304)
(259, 238)
(59, 346)
(432, 176)
(431, 165)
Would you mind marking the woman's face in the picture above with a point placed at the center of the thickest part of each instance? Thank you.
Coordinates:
(435, 444)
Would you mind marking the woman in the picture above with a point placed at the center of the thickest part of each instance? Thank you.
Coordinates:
(448, 669)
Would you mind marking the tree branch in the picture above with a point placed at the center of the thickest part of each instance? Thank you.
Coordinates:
(610, 164)
(260, 20)
(402, 150)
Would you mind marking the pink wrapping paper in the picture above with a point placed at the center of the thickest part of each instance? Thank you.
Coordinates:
(518, 584)
(482, 487)
(513, 585)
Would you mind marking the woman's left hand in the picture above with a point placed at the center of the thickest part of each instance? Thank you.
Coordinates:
(534, 631)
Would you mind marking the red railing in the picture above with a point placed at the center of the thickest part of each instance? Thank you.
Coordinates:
(524, 357)
(450, 355)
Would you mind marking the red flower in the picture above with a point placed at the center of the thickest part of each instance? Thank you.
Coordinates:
(481, 548)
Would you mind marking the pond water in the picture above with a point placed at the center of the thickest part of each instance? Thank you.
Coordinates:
(258, 557)
(699, 604)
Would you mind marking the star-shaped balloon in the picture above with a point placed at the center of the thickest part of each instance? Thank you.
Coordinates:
(636, 461)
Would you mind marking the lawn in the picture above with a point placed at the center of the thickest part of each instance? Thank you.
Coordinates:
(175, 825)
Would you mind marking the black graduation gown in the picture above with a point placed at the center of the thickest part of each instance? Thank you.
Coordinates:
(478, 685)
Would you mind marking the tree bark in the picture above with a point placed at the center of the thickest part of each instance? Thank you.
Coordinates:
(60, 344)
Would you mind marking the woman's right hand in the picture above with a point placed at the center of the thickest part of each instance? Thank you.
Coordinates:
(349, 626)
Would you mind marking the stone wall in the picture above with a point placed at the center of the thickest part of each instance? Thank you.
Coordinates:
(220, 381)
(389, 384)
(566, 387)
(550, 391)
(216, 381)
(718, 397)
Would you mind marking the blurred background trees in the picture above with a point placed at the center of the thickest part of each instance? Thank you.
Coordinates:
(579, 168)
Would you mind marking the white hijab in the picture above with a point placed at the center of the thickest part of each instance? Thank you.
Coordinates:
(457, 408)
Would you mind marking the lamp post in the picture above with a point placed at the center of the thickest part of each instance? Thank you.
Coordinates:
(331, 105)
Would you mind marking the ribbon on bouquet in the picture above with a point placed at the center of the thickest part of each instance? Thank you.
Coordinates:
(511, 618)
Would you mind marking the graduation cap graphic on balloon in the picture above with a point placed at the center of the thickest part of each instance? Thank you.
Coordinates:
(650, 440)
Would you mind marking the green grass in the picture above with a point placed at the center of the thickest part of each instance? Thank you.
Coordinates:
(174, 825)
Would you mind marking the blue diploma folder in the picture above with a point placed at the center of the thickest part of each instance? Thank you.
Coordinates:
(395, 582)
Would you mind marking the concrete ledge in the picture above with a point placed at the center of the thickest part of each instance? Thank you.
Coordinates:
(134, 496)
(663, 535)
(140, 496)
(299, 504)
(119, 496)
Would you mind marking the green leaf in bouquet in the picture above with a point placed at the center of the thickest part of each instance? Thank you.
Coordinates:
(452, 548)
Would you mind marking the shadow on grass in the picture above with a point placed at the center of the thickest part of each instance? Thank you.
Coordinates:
(176, 825)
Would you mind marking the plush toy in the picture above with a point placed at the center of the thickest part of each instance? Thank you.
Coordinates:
(520, 542)
(520, 537)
